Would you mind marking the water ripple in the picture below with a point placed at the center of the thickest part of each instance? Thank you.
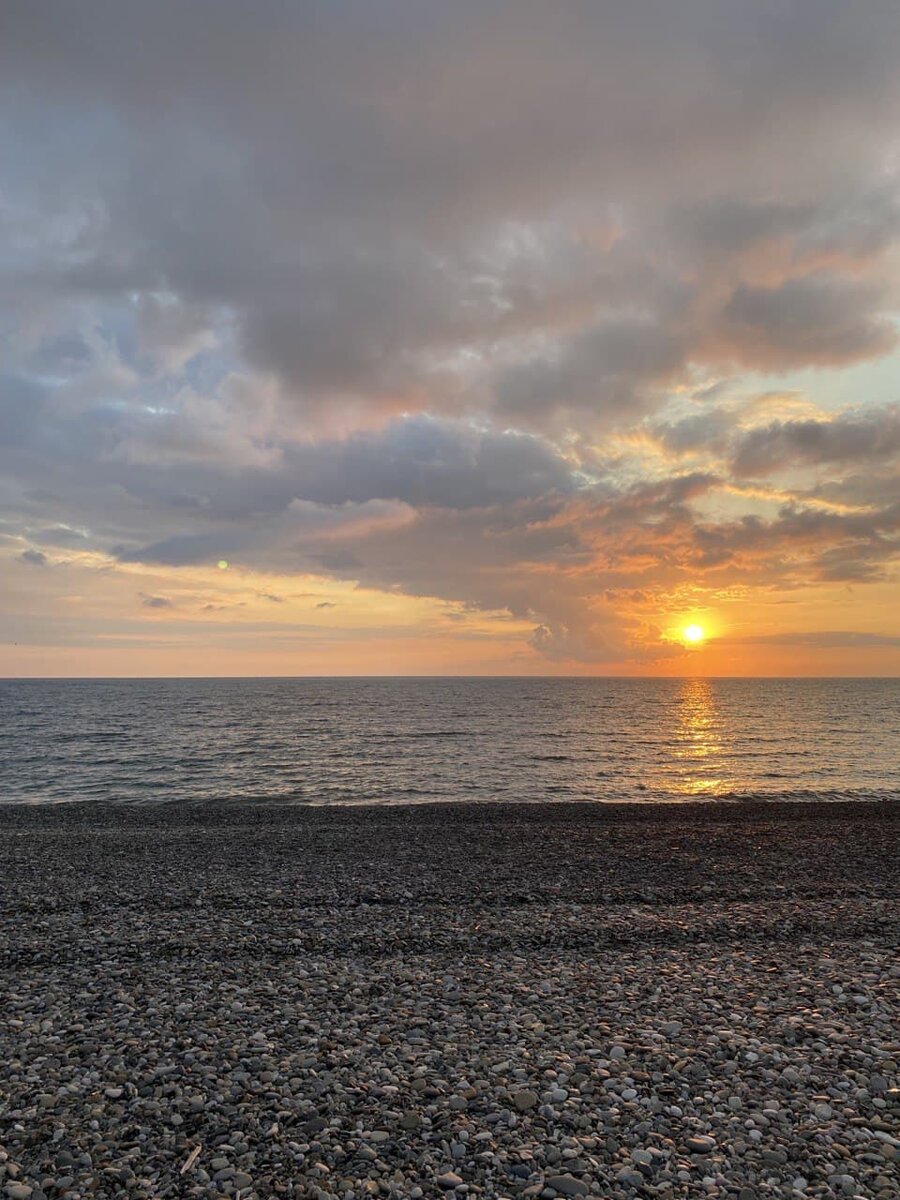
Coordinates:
(379, 741)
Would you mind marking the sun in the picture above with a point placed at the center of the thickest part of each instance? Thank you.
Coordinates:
(693, 634)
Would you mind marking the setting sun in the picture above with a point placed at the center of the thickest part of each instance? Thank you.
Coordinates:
(693, 634)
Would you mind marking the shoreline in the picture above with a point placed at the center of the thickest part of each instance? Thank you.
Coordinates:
(208, 808)
(492, 1000)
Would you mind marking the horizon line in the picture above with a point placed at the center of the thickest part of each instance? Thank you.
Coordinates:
(234, 678)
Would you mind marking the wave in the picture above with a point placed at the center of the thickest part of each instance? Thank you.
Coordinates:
(325, 742)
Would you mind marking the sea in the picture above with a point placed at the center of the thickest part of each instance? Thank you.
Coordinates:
(428, 740)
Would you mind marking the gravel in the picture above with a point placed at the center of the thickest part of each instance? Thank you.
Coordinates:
(449, 1001)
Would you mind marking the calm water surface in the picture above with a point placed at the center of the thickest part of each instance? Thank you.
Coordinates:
(394, 741)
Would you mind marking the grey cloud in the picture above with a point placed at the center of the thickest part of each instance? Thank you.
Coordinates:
(358, 188)
(22, 405)
(730, 225)
(820, 319)
(870, 488)
(338, 562)
(175, 460)
(428, 462)
(260, 541)
(185, 549)
(707, 430)
(62, 354)
(797, 524)
(34, 558)
(562, 643)
(859, 229)
(801, 545)
(155, 601)
(862, 436)
(241, 70)
(59, 535)
(859, 561)
(170, 332)
(607, 369)
(850, 224)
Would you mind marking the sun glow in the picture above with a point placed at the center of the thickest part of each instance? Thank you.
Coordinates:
(693, 634)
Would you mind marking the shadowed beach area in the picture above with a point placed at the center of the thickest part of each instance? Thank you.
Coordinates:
(494, 1000)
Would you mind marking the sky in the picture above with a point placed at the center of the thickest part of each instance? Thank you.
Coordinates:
(384, 337)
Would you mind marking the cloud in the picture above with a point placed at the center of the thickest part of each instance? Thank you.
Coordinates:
(815, 320)
(413, 201)
(194, 454)
(59, 535)
(862, 436)
(171, 333)
(21, 405)
(823, 639)
(155, 601)
(452, 300)
(608, 370)
(182, 549)
(869, 488)
(34, 558)
(428, 462)
(707, 430)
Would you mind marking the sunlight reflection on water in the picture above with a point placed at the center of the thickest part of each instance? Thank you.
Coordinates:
(698, 745)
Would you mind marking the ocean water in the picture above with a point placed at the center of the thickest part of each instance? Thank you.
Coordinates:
(395, 741)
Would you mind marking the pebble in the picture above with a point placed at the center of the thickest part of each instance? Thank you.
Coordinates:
(567, 1185)
(345, 1004)
(448, 1181)
(700, 1144)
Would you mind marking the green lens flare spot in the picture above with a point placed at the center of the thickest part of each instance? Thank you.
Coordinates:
(223, 564)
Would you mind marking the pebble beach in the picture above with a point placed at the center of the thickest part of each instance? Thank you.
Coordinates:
(241, 1000)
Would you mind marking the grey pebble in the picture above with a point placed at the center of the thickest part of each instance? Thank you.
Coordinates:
(348, 999)
(700, 1144)
(567, 1185)
(448, 1181)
